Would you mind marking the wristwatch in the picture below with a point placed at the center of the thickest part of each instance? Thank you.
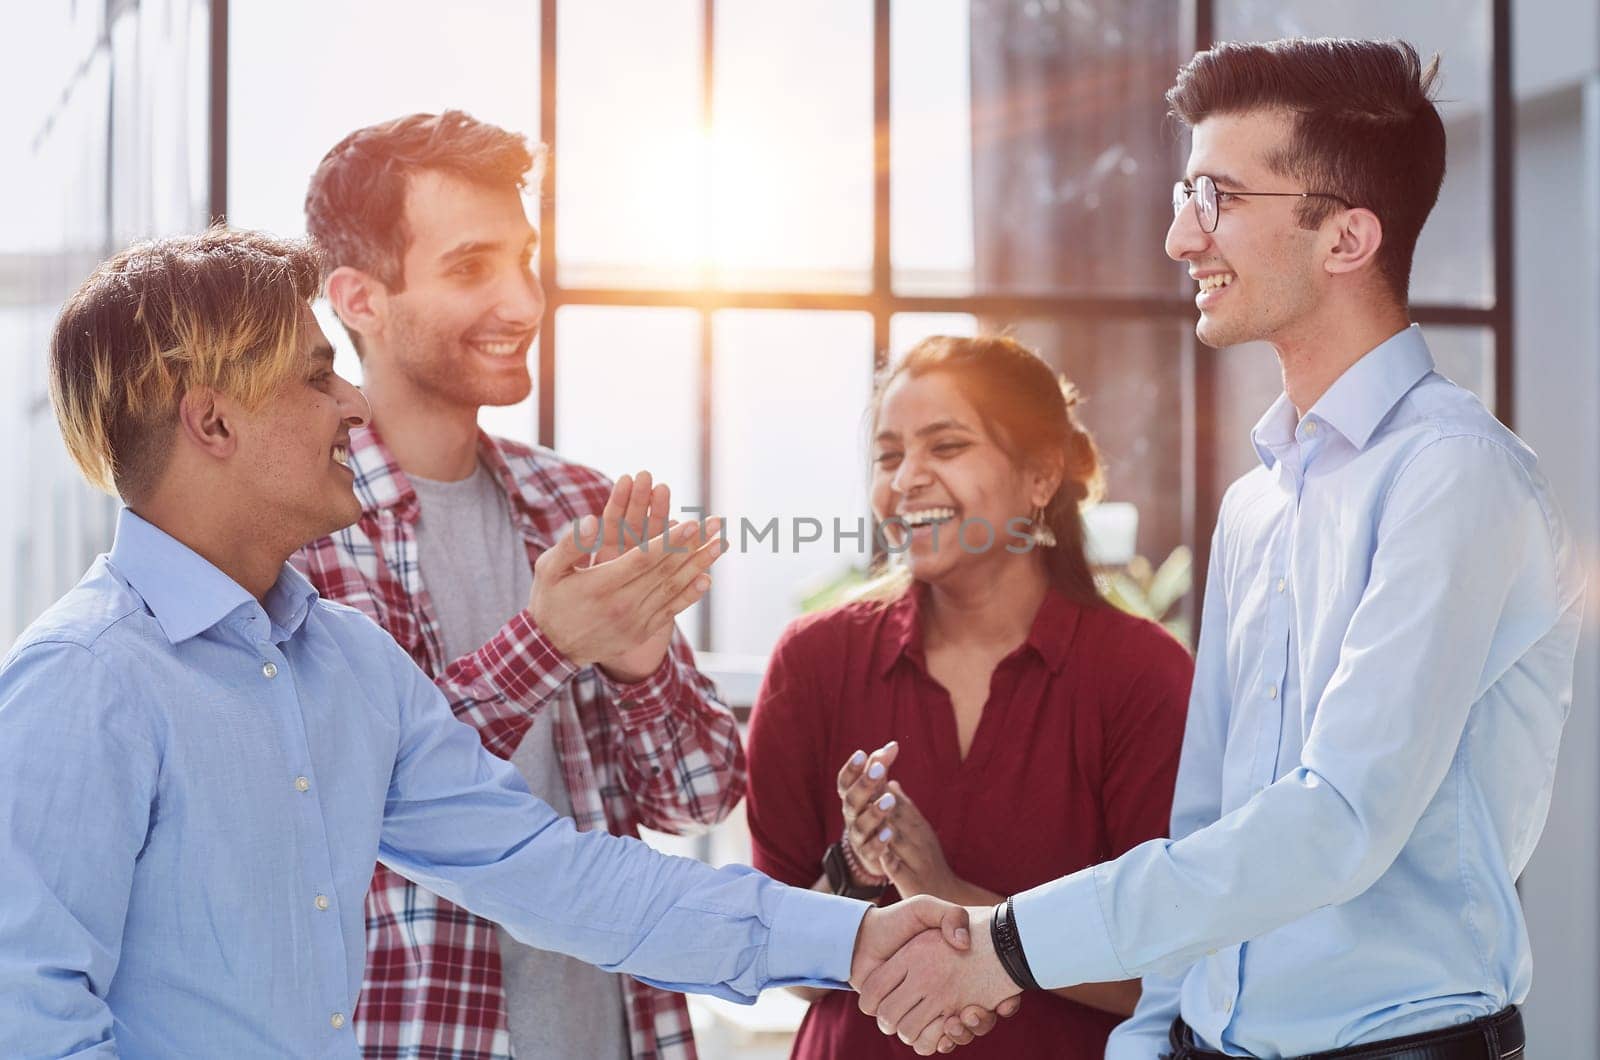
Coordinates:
(837, 867)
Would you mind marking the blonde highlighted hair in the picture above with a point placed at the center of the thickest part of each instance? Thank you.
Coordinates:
(222, 310)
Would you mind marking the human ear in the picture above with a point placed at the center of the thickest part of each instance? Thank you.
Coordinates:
(1356, 241)
(205, 421)
(360, 300)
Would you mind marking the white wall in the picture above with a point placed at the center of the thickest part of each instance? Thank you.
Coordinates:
(1557, 408)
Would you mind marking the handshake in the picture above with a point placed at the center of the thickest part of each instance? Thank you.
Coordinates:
(928, 971)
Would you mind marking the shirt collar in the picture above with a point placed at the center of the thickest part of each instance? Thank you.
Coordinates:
(1358, 401)
(1049, 637)
(186, 593)
(382, 485)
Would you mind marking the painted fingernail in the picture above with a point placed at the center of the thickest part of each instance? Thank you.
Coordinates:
(886, 803)
(876, 770)
(857, 758)
(886, 835)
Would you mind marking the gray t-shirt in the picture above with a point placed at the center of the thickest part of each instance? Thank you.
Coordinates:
(477, 574)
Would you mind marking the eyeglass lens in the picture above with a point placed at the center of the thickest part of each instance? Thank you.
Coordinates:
(1205, 201)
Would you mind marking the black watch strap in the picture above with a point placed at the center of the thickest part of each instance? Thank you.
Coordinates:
(841, 882)
(1008, 946)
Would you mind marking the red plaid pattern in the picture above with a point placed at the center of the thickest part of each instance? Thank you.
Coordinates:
(664, 753)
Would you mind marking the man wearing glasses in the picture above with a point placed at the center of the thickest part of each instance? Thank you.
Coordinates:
(1387, 642)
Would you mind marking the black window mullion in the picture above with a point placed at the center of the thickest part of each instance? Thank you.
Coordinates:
(707, 314)
(547, 223)
(882, 217)
(1502, 176)
(1202, 493)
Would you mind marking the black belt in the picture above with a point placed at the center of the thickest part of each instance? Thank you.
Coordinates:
(1497, 1037)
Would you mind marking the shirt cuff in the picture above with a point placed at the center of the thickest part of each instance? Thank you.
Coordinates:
(1064, 933)
(645, 700)
(523, 664)
(812, 938)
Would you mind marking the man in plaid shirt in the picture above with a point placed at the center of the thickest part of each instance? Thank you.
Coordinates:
(429, 266)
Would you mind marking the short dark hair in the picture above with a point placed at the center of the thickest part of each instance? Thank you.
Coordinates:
(224, 309)
(355, 206)
(1365, 126)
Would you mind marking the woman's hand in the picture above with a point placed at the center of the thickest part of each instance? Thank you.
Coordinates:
(914, 860)
(866, 802)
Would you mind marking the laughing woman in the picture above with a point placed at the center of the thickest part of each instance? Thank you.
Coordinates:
(1023, 729)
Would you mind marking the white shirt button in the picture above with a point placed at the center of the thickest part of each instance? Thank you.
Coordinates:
(322, 901)
(1281, 584)
(269, 670)
(1272, 692)
(337, 1020)
(302, 784)
(1311, 427)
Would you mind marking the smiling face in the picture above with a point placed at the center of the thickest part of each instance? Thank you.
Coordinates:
(1259, 273)
(293, 450)
(460, 330)
(935, 467)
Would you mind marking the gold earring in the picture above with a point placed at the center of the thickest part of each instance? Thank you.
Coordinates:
(1041, 534)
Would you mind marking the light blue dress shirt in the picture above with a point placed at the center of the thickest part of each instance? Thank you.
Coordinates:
(1385, 666)
(194, 789)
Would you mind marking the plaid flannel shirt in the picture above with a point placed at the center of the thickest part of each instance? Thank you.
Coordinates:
(664, 753)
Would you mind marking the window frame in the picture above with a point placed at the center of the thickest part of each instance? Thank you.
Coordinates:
(1202, 490)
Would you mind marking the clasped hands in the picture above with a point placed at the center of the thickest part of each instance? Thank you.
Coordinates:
(928, 971)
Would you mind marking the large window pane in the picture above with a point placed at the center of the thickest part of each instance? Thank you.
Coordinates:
(627, 400)
(160, 103)
(303, 73)
(1247, 379)
(908, 329)
(631, 192)
(1063, 136)
(1465, 356)
(1129, 381)
(930, 161)
(791, 149)
(1454, 262)
(627, 393)
(789, 393)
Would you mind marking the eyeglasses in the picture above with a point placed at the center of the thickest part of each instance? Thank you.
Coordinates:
(1205, 195)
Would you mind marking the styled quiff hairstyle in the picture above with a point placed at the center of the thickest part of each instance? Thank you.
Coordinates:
(1365, 127)
(355, 206)
(222, 310)
(1029, 412)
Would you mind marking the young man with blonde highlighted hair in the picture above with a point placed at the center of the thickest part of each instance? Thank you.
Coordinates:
(203, 759)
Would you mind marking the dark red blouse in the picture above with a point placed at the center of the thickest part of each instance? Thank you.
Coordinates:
(1072, 763)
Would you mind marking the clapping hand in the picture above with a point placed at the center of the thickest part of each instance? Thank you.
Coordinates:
(613, 606)
(914, 860)
(863, 787)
